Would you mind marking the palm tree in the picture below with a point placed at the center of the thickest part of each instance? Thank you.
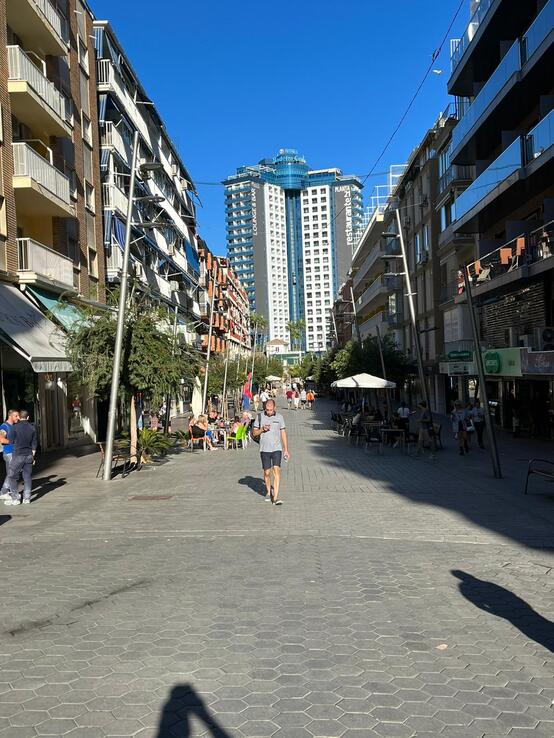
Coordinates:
(260, 324)
(296, 330)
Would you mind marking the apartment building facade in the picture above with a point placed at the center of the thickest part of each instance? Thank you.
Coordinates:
(165, 262)
(50, 243)
(290, 236)
(223, 294)
(504, 219)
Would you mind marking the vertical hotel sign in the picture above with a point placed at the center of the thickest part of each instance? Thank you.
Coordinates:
(254, 210)
(348, 214)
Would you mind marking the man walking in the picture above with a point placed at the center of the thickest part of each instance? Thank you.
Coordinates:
(269, 427)
(6, 440)
(24, 449)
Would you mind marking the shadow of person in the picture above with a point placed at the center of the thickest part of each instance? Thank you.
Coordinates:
(43, 485)
(183, 703)
(5, 519)
(497, 600)
(255, 483)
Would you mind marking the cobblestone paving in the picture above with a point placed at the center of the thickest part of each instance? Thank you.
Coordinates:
(388, 596)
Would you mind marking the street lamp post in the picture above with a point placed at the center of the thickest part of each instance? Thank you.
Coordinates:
(209, 351)
(481, 373)
(116, 369)
(356, 325)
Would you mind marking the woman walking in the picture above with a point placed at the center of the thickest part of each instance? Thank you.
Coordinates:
(459, 427)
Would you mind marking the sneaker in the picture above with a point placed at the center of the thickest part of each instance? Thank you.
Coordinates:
(278, 502)
(26, 501)
(267, 498)
(12, 502)
(5, 496)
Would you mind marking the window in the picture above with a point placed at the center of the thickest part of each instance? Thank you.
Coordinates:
(86, 127)
(426, 238)
(91, 240)
(84, 90)
(87, 163)
(83, 55)
(417, 247)
(92, 263)
(89, 196)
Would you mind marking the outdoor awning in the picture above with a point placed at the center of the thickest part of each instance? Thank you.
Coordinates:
(363, 381)
(30, 333)
(66, 314)
(119, 231)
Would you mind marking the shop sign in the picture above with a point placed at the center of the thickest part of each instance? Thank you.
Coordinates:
(503, 362)
(537, 362)
(457, 368)
(460, 355)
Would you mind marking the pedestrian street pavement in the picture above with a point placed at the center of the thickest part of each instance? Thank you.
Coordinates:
(388, 596)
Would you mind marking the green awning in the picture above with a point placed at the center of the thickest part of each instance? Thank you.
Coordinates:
(67, 315)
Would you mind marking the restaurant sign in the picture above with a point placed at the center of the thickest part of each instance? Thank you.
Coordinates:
(457, 368)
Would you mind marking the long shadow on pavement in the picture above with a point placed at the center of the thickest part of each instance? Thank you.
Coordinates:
(183, 703)
(497, 505)
(499, 601)
(5, 519)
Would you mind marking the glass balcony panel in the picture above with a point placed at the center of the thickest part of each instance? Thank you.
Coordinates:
(507, 163)
(538, 31)
(509, 65)
(540, 138)
(470, 32)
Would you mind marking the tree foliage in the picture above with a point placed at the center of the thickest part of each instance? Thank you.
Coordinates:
(152, 363)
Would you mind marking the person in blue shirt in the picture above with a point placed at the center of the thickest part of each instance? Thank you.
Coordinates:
(24, 449)
(6, 446)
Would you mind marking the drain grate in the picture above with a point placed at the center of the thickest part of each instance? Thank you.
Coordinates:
(147, 498)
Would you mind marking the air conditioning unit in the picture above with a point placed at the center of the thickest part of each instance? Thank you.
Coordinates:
(171, 249)
(544, 338)
(175, 170)
(138, 270)
(174, 285)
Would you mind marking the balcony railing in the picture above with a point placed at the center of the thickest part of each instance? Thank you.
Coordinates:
(540, 138)
(41, 260)
(112, 136)
(20, 67)
(501, 168)
(450, 290)
(114, 198)
(469, 33)
(509, 65)
(54, 18)
(372, 291)
(455, 173)
(524, 250)
(537, 32)
(27, 163)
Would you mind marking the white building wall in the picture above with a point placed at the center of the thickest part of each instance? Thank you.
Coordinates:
(276, 255)
(318, 265)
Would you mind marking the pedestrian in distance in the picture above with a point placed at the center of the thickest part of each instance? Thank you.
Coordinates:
(6, 441)
(264, 397)
(459, 427)
(270, 428)
(296, 399)
(290, 396)
(303, 398)
(310, 397)
(23, 458)
(478, 417)
(403, 420)
(256, 401)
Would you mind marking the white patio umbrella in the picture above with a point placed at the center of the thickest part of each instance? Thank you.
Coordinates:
(196, 402)
(363, 381)
(273, 378)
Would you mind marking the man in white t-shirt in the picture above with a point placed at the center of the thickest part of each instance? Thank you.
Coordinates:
(264, 397)
(270, 428)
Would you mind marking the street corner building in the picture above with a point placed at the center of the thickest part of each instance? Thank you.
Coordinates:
(290, 239)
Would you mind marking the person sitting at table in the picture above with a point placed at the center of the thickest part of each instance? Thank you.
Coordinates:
(213, 417)
(235, 425)
(199, 430)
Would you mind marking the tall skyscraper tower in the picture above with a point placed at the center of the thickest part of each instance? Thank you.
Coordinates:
(290, 238)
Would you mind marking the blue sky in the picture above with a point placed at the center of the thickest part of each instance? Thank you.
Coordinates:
(236, 81)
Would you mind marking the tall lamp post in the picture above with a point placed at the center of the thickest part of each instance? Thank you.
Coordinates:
(481, 373)
(116, 369)
(210, 332)
(413, 318)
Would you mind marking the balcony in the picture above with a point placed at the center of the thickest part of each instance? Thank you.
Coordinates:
(500, 174)
(538, 142)
(451, 290)
(113, 137)
(370, 261)
(40, 188)
(115, 199)
(538, 31)
(39, 24)
(455, 175)
(378, 288)
(469, 33)
(524, 256)
(394, 320)
(39, 264)
(504, 74)
(369, 326)
(34, 99)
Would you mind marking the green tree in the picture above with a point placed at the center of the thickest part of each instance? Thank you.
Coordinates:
(296, 330)
(152, 363)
